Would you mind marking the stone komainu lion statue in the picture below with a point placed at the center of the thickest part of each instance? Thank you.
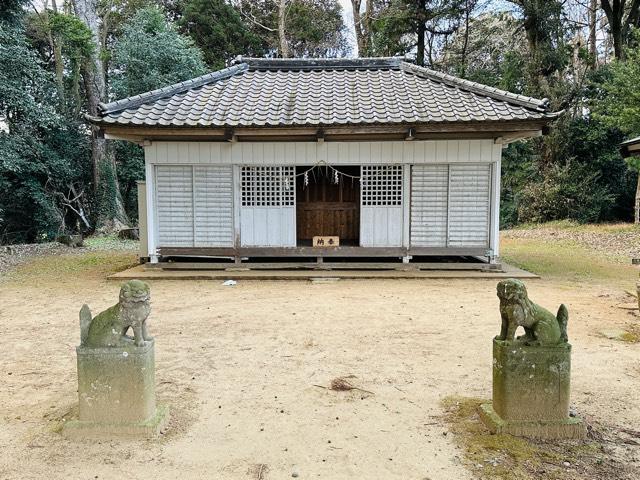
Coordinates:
(109, 328)
(541, 327)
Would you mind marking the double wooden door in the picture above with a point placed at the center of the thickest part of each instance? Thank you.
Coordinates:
(328, 204)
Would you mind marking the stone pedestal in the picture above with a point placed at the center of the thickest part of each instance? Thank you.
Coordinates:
(531, 391)
(116, 393)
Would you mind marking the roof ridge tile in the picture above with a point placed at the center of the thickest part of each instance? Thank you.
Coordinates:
(306, 64)
(478, 88)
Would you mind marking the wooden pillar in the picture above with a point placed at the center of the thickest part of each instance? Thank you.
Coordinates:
(151, 208)
(494, 233)
(142, 221)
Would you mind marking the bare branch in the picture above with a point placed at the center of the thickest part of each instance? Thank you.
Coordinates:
(253, 20)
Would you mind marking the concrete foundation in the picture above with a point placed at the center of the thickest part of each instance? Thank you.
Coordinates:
(116, 394)
(531, 392)
(285, 271)
(570, 428)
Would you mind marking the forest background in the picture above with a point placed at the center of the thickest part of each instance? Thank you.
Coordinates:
(60, 58)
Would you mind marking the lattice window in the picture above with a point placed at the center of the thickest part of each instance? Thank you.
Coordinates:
(268, 186)
(381, 185)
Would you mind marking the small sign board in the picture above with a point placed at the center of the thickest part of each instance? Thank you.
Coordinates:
(635, 261)
(326, 241)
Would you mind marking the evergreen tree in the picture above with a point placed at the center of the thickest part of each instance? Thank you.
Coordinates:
(42, 154)
(618, 104)
(297, 28)
(218, 29)
(149, 54)
(405, 26)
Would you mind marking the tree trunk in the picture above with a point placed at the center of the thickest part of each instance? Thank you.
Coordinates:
(362, 25)
(636, 217)
(358, 27)
(465, 43)
(55, 44)
(110, 207)
(593, 19)
(616, 35)
(59, 67)
(282, 34)
(421, 17)
(633, 19)
(614, 13)
(537, 40)
(367, 20)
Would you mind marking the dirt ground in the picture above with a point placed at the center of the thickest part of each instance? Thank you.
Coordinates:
(239, 368)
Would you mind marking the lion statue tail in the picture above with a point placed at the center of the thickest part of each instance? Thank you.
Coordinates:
(563, 319)
(85, 321)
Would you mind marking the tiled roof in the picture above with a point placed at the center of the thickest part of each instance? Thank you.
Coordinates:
(630, 148)
(313, 92)
(633, 141)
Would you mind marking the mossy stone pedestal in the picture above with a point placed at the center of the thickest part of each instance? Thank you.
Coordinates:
(531, 392)
(116, 393)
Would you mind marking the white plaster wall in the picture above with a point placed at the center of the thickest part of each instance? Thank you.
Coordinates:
(335, 153)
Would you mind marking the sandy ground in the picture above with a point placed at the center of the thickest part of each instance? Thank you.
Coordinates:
(238, 365)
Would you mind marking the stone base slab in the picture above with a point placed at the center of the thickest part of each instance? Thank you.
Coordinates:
(116, 384)
(149, 429)
(531, 383)
(571, 428)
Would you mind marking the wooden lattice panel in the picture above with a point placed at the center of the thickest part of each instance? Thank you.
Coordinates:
(381, 185)
(268, 186)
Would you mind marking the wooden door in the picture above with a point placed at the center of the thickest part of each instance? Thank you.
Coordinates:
(327, 207)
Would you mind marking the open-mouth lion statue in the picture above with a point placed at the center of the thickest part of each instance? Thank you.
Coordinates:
(541, 327)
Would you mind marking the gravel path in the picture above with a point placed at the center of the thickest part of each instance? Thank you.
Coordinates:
(237, 367)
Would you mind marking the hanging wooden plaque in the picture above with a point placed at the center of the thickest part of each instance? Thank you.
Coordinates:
(326, 241)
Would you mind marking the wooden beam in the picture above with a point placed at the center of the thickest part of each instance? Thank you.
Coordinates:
(634, 150)
(146, 131)
(277, 131)
(480, 127)
(313, 252)
(332, 133)
(510, 137)
(129, 138)
(284, 138)
(461, 265)
(630, 150)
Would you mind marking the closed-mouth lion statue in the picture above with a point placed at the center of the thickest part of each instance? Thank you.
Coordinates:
(109, 328)
(541, 327)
